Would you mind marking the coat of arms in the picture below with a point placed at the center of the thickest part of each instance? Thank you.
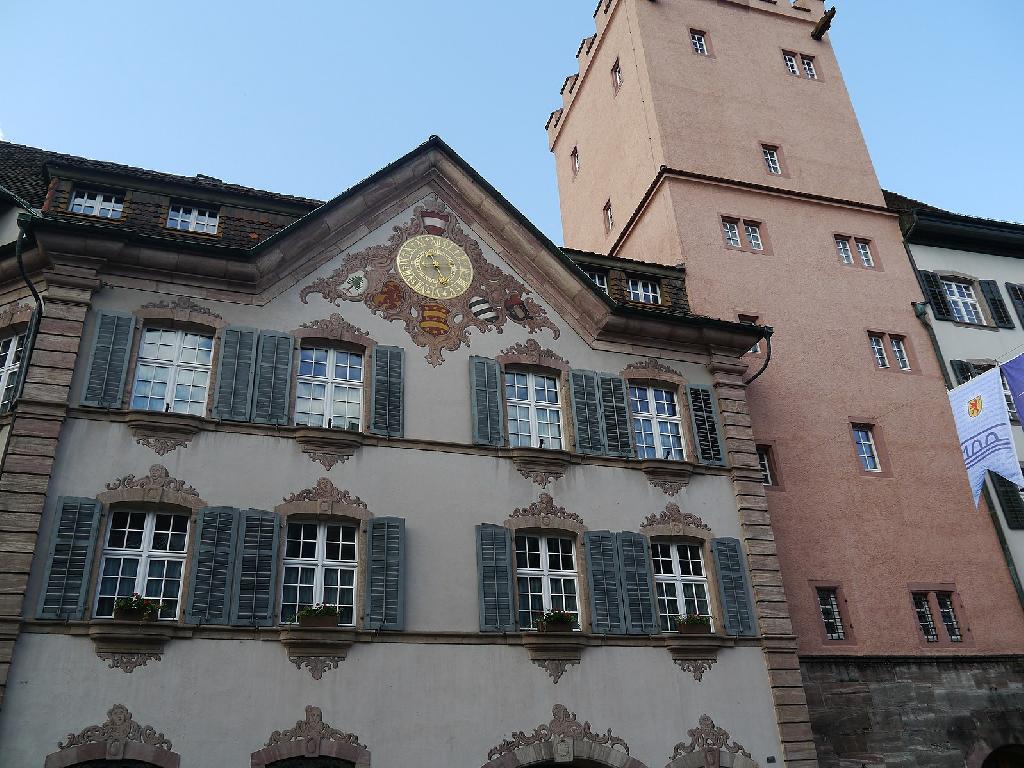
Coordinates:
(974, 406)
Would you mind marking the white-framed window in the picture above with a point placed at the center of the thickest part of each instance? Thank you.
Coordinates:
(644, 291)
(657, 423)
(753, 236)
(878, 349)
(12, 349)
(899, 351)
(329, 388)
(574, 159)
(771, 159)
(924, 617)
(600, 279)
(106, 205)
(173, 372)
(843, 249)
(193, 218)
(545, 577)
(864, 251)
(143, 553)
(680, 581)
(828, 602)
(699, 42)
(731, 231)
(948, 616)
(963, 302)
(790, 61)
(534, 410)
(616, 76)
(609, 217)
(320, 565)
(809, 70)
(764, 461)
(866, 450)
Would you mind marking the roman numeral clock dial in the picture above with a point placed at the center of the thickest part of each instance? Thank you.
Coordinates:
(434, 266)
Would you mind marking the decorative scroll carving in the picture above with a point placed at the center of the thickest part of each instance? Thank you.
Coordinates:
(327, 460)
(162, 445)
(541, 477)
(563, 725)
(531, 353)
(674, 517)
(312, 731)
(14, 313)
(697, 667)
(493, 298)
(116, 733)
(554, 667)
(668, 487)
(157, 479)
(128, 662)
(337, 327)
(325, 490)
(316, 665)
(183, 304)
(711, 740)
(651, 367)
(546, 510)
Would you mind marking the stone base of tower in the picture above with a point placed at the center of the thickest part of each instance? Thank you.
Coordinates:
(911, 713)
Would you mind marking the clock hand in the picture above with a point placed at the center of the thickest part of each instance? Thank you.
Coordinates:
(441, 279)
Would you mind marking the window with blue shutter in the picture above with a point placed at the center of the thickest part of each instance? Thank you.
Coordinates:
(1016, 294)
(385, 573)
(585, 391)
(272, 389)
(936, 295)
(706, 432)
(606, 605)
(255, 570)
(734, 588)
(1000, 312)
(387, 417)
(76, 527)
(108, 361)
(615, 415)
(494, 568)
(209, 600)
(235, 370)
(1011, 501)
(485, 398)
(637, 583)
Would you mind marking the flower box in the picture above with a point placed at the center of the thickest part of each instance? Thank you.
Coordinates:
(134, 614)
(693, 629)
(320, 620)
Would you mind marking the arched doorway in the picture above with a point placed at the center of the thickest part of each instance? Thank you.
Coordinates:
(311, 762)
(1011, 756)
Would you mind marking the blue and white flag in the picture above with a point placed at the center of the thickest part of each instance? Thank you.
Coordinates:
(983, 423)
(1014, 373)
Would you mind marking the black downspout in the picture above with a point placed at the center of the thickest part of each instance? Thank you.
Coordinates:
(767, 358)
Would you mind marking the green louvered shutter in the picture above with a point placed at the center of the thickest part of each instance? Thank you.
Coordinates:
(1010, 500)
(1016, 294)
(706, 432)
(385, 574)
(209, 600)
(962, 371)
(637, 584)
(936, 295)
(615, 415)
(494, 566)
(485, 398)
(1000, 312)
(272, 389)
(235, 369)
(734, 588)
(606, 609)
(388, 418)
(255, 568)
(108, 362)
(69, 567)
(585, 391)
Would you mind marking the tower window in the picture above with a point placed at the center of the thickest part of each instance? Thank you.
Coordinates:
(753, 232)
(790, 61)
(764, 460)
(867, 452)
(899, 351)
(609, 218)
(843, 249)
(616, 76)
(771, 159)
(948, 614)
(731, 232)
(809, 70)
(924, 617)
(699, 42)
(864, 250)
(878, 349)
(828, 603)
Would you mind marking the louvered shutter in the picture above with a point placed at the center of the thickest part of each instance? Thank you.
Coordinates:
(586, 407)
(485, 398)
(388, 392)
(936, 295)
(494, 566)
(733, 587)
(273, 378)
(1010, 500)
(637, 583)
(235, 370)
(606, 610)
(615, 416)
(1000, 312)
(209, 600)
(706, 432)
(255, 568)
(108, 362)
(962, 371)
(1016, 294)
(385, 574)
(69, 566)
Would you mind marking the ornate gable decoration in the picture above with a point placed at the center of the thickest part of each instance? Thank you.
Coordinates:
(545, 511)
(674, 517)
(312, 731)
(337, 327)
(563, 725)
(183, 305)
(116, 733)
(531, 353)
(325, 490)
(493, 297)
(709, 739)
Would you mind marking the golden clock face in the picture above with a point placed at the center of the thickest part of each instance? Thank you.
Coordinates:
(434, 266)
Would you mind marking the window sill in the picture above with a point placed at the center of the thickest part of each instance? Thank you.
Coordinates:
(329, 446)
(126, 645)
(695, 654)
(554, 652)
(541, 465)
(164, 432)
(669, 475)
(317, 649)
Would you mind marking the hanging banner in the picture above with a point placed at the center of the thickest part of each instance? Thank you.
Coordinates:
(983, 424)
(1014, 373)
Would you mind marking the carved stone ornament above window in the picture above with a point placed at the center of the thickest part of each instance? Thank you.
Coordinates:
(128, 645)
(653, 369)
(318, 650)
(544, 513)
(569, 738)
(312, 737)
(184, 309)
(672, 521)
(667, 475)
(158, 487)
(554, 652)
(118, 738)
(710, 741)
(334, 328)
(329, 447)
(696, 667)
(14, 314)
(163, 432)
(324, 499)
(541, 465)
(531, 353)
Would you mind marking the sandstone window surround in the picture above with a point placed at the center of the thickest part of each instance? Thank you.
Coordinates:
(118, 738)
(956, 297)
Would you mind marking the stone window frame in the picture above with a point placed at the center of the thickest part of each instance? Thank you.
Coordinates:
(654, 374)
(852, 239)
(845, 611)
(881, 453)
(741, 222)
(954, 276)
(893, 366)
(775, 145)
(528, 359)
(311, 737)
(930, 589)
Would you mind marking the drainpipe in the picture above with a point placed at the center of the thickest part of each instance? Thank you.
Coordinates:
(767, 357)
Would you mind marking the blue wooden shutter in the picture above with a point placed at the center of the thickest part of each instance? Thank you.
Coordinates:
(273, 378)
(108, 362)
(936, 295)
(1000, 312)
(235, 368)
(606, 609)
(385, 574)
(637, 584)
(1010, 500)
(1016, 293)
(734, 587)
(485, 396)
(615, 416)
(962, 371)
(255, 568)
(585, 393)
(209, 600)
(706, 432)
(494, 565)
(387, 417)
(76, 527)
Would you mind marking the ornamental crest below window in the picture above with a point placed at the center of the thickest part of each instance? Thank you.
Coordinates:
(432, 276)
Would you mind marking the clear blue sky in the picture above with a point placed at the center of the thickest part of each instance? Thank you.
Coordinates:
(309, 97)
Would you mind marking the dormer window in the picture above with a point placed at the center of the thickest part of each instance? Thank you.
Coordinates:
(644, 291)
(193, 218)
(600, 279)
(106, 205)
